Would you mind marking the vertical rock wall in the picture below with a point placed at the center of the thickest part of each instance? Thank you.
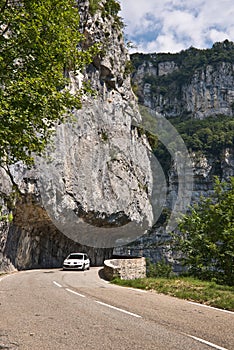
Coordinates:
(165, 88)
(98, 167)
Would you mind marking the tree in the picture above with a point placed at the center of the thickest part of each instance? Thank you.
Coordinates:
(207, 236)
(40, 43)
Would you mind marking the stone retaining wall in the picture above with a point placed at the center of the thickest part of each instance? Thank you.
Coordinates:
(126, 269)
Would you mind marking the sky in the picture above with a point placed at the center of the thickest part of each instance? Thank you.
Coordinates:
(172, 26)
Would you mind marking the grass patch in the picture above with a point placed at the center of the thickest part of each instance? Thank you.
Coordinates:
(209, 293)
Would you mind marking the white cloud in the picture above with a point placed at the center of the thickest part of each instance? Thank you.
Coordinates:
(170, 26)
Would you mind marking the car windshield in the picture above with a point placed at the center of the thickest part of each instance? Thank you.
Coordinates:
(76, 256)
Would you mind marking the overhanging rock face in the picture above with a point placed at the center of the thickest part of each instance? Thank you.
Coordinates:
(96, 178)
(97, 183)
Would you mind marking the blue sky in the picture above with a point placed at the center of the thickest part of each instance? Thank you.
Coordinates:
(175, 25)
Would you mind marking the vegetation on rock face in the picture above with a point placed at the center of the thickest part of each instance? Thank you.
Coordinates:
(94, 6)
(109, 8)
(186, 63)
(40, 43)
(112, 7)
(211, 135)
(206, 241)
(189, 60)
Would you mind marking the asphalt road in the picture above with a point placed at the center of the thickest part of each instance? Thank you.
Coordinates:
(63, 310)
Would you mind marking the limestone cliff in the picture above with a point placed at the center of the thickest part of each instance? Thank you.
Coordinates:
(96, 176)
(194, 90)
(196, 83)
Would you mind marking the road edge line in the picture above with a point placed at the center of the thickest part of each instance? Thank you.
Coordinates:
(206, 342)
(118, 309)
(211, 307)
(72, 291)
(57, 284)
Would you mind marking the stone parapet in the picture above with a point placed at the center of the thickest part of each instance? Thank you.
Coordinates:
(126, 269)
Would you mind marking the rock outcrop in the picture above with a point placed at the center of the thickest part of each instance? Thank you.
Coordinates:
(196, 83)
(96, 178)
(165, 85)
(95, 188)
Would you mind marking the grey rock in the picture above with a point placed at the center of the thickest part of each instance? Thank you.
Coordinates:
(210, 91)
(96, 178)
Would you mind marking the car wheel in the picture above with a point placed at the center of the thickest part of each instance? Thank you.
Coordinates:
(83, 267)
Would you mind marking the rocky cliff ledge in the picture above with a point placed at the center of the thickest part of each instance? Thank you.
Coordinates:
(97, 170)
(194, 90)
(196, 83)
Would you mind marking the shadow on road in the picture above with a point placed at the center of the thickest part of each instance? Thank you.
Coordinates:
(102, 275)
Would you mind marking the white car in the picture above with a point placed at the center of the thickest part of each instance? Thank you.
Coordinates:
(76, 261)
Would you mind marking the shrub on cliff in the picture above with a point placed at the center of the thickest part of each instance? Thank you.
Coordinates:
(40, 43)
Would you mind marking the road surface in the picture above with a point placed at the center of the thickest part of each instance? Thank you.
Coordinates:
(63, 310)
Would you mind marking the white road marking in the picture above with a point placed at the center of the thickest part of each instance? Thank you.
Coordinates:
(57, 284)
(211, 307)
(126, 288)
(136, 289)
(207, 343)
(72, 291)
(118, 309)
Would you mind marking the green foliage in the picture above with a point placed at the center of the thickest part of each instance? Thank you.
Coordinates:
(40, 43)
(6, 217)
(191, 58)
(148, 126)
(128, 68)
(104, 136)
(187, 62)
(211, 135)
(93, 6)
(159, 269)
(152, 139)
(111, 9)
(207, 236)
(209, 293)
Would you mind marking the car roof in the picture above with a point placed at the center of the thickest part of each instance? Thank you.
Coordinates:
(77, 253)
